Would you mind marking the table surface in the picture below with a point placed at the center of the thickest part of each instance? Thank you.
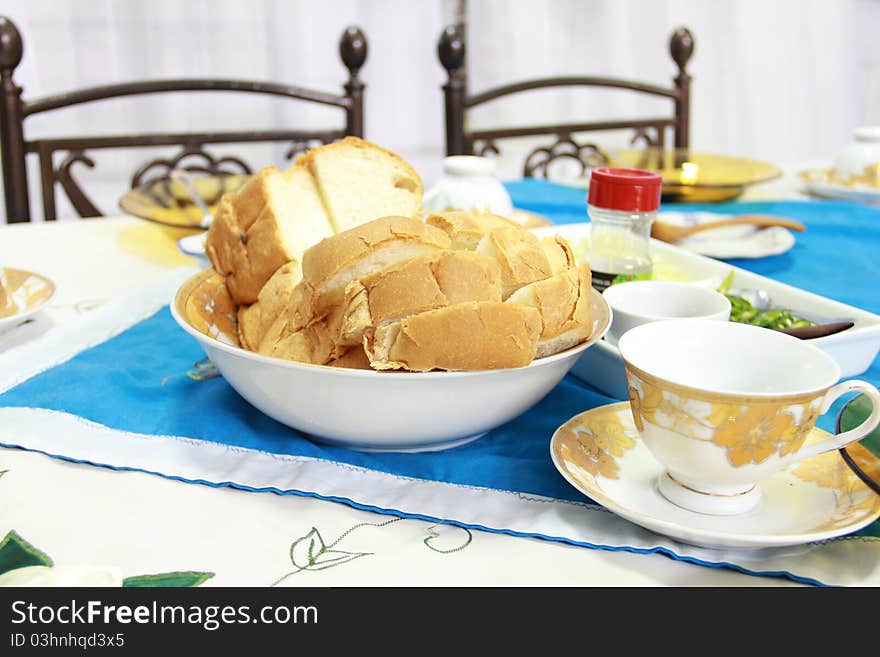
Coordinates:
(139, 523)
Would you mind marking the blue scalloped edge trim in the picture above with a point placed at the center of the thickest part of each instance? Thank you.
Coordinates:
(418, 516)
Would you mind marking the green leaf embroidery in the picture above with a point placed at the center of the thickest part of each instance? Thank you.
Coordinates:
(15, 552)
(310, 553)
(433, 535)
(3, 472)
(188, 578)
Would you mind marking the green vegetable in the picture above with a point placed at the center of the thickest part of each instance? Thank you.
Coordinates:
(745, 313)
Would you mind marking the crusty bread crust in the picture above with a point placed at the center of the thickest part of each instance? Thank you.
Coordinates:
(273, 301)
(423, 283)
(355, 358)
(559, 253)
(467, 336)
(327, 257)
(466, 228)
(563, 302)
(522, 257)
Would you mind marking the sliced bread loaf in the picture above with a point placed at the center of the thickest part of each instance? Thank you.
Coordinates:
(359, 181)
(266, 224)
(467, 336)
(422, 283)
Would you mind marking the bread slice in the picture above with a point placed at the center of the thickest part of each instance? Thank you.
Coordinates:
(564, 304)
(559, 253)
(467, 336)
(523, 258)
(314, 343)
(257, 321)
(465, 228)
(359, 181)
(333, 263)
(269, 222)
(423, 283)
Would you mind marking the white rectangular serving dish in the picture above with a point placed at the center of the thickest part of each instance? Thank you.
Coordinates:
(854, 349)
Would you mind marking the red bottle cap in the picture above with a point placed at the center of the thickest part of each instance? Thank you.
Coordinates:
(630, 190)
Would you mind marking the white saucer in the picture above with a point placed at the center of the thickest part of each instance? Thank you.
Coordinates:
(25, 293)
(820, 182)
(600, 453)
(194, 245)
(729, 241)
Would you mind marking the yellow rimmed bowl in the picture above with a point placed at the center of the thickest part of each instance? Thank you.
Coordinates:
(169, 202)
(697, 177)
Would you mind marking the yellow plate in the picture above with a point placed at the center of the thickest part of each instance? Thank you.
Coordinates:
(695, 177)
(22, 293)
(168, 203)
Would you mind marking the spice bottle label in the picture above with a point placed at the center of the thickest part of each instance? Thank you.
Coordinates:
(602, 280)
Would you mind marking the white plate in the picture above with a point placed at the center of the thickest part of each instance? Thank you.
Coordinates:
(729, 241)
(599, 452)
(854, 349)
(29, 292)
(819, 183)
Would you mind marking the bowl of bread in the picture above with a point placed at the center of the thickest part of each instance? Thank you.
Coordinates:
(335, 306)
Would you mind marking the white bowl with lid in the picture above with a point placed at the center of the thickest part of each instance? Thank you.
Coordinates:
(468, 183)
(859, 161)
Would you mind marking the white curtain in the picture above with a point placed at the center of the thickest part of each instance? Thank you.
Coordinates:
(784, 81)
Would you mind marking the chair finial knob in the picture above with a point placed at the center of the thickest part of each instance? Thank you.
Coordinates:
(681, 47)
(353, 49)
(451, 48)
(11, 47)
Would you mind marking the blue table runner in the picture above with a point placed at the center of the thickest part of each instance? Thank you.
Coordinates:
(137, 381)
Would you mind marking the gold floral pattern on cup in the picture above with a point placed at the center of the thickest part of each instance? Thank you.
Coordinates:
(750, 429)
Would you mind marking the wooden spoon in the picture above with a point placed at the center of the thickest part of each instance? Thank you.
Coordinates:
(666, 232)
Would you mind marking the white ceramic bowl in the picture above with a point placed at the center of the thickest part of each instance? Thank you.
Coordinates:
(860, 159)
(641, 302)
(379, 411)
(468, 183)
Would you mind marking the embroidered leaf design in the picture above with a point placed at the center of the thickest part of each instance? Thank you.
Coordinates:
(202, 370)
(303, 550)
(433, 535)
(310, 553)
(331, 558)
(187, 578)
(15, 552)
(3, 472)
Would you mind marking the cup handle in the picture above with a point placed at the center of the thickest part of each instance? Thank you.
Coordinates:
(847, 437)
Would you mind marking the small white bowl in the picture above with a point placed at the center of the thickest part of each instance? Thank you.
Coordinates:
(368, 410)
(641, 302)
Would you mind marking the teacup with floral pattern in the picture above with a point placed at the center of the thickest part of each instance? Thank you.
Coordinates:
(723, 405)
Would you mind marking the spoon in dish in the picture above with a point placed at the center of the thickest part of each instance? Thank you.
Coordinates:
(666, 232)
(183, 177)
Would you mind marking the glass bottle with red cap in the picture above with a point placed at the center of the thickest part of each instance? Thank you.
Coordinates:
(622, 204)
